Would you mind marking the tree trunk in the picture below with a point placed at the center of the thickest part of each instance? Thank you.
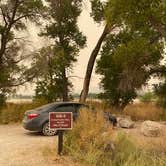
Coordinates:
(91, 62)
(65, 86)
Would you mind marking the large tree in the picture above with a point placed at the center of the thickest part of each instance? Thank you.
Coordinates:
(139, 15)
(98, 14)
(13, 17)
(67, 40)
(125, 65)
(48, 65)
(143, 15)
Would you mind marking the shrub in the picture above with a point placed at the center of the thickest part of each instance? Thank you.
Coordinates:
(147, 97)
(89, 140)
(160, 91)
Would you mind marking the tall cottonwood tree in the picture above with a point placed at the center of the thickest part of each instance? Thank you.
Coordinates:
(125, 65)
(143, 15)
(98, 14)
(13, 16)
(147, 19)
(67, 39)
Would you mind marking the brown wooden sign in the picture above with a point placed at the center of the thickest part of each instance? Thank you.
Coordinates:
(61, 120)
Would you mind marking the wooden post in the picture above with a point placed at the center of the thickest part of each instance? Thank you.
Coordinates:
(60, 142)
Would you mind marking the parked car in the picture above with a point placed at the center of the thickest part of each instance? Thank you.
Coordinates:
(38, 119)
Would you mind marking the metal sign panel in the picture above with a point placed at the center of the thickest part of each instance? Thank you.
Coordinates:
(61, 120)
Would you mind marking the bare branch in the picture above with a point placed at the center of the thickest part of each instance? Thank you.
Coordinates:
(158, 70)
(23, 16)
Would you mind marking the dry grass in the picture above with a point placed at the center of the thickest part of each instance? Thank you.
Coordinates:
(139, 111)
(15, 112)
(145, 111)
(89, 144)
(89, 139)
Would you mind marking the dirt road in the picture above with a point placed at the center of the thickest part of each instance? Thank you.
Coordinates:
(19, 147)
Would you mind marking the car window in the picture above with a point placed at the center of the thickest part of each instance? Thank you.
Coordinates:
(65, 108)
(45, 107)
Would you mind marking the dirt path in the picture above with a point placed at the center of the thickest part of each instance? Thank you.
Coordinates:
(19, 147)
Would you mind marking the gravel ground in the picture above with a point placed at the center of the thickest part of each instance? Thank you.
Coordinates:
(19, 147)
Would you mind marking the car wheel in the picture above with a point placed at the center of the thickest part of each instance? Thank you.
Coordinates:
(46, 130)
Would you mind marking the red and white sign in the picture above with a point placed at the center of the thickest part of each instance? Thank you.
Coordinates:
(61, 120)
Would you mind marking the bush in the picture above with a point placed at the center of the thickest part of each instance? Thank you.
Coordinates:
(160, 91)
(147, 97)
(89, 140)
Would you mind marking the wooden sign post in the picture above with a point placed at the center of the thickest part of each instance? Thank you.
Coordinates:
(60, 121)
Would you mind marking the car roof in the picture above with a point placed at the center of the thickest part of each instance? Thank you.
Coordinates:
(61, 103)
(68, 103)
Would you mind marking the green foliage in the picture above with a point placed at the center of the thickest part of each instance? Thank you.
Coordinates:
(45, 91)
(98, 8)
(144, 19)
(124, 64)
(59, 58)
(140, 15)
(2, 100)
(129, 56)
(147, 97)
(160, 91)
(13, 16)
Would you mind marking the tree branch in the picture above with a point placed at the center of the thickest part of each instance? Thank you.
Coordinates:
(23, 16)
(158, 70)
(3, 14)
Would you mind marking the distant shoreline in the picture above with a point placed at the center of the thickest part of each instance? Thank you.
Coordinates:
(19, 100)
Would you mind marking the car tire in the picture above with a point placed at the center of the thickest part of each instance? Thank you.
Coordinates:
(46, 130)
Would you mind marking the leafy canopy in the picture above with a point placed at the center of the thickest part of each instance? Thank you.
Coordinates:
(67, 40)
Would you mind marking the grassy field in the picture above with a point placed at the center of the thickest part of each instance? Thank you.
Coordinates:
(13, 113)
